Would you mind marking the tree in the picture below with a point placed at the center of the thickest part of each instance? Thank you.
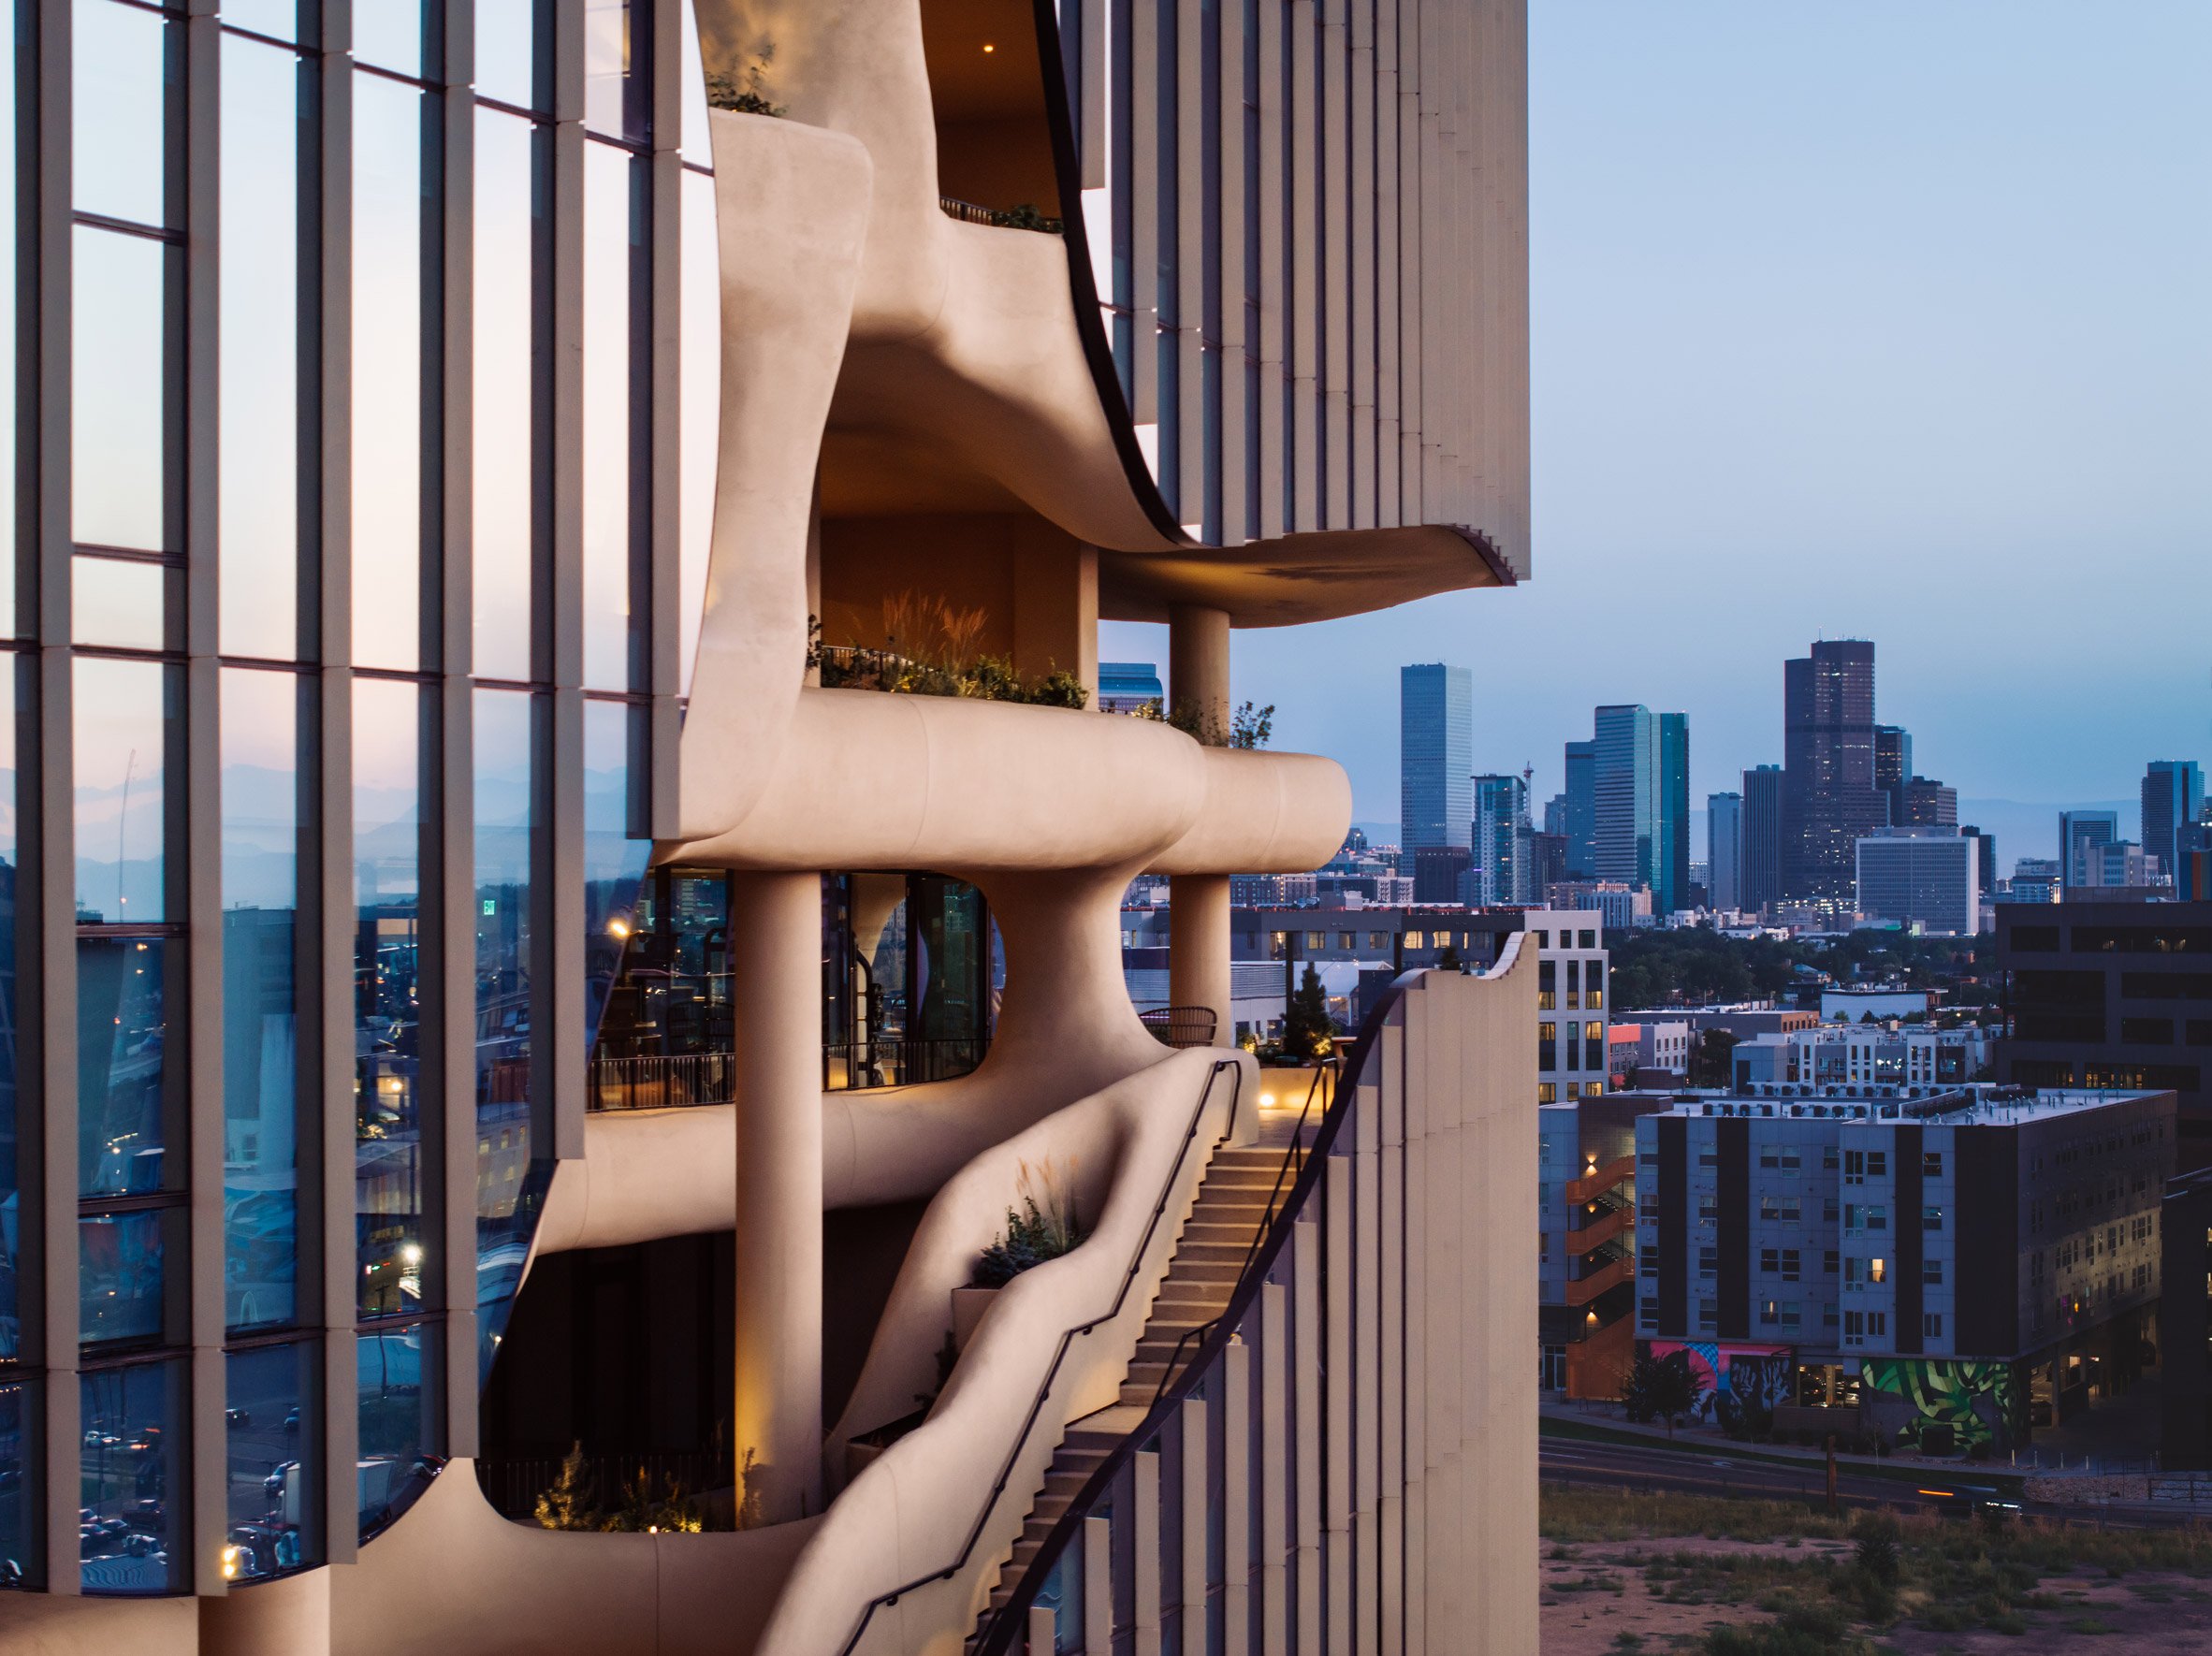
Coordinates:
(1308, 1031)
(1713, 1059)
(1660, 1389)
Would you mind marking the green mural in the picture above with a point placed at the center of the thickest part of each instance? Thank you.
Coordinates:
(1982, 1402)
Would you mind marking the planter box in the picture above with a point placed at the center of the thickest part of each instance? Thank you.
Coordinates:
(968, 1305)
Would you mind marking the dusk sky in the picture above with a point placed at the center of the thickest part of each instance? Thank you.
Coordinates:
(1891, 320)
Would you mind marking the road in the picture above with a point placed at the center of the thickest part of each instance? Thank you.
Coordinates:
(1572, 1461)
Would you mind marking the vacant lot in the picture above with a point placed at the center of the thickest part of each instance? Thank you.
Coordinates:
(1667, 1572)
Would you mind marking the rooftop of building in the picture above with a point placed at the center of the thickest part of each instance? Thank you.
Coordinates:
(1928, 1105)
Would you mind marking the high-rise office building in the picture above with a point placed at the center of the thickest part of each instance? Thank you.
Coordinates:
(1724, 850)
(1501, 868)
(2172, 796)
(1626, 771)
(2082, 838)
(1555, 810)
(1828, 796)
(1760, 871)
(1893, 766)
(1984, 859)
(1435, 755)
(1921, 878)
(398, 822)
(1581, 810)
(1672, 881)
(1925, 803)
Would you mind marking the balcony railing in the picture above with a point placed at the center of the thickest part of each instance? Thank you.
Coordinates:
(1583, 1289)
(1023, 217)
(661, 1081)
(1622, 1170)
(1180, 1026)
(901, 1061)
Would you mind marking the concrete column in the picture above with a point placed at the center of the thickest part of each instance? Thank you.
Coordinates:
(776, 979)
(1198, 914)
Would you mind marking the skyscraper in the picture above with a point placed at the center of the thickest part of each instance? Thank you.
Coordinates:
(1724, 850)
(1671, 877)
(1924, 803)
(2173, 795)
(1581, 810)
(1760, 870)
(1555, 810)
(1435, 755)
(2084, 835)
(1502, 851)
(1985, 858)
(1893, 766)
(1829, 797)
(1626, 773)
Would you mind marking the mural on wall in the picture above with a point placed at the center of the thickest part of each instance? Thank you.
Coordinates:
(1732, 1381)
(1982, 1402)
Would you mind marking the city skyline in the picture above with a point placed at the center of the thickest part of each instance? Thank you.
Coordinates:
(1731, 340)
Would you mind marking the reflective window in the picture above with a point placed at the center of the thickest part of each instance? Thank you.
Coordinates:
(279, 19)
(509, 66)
(698, 149)
(615, 738)
(617, 88)
(398, 1433)
(130, 1099)
(121, 602)
(260, 793)
(509, 220)
(123, 1289)
(387, 870)
(127, 720)
(137, 1478)
(10, 251)
(393, 196)
(700, 434)
(120, 382)
(504, 735)
(617, 365)
(258, 454)
(398, 34)
(127, 61)
(272, 1406)
(11, 1240)
(20, 1409)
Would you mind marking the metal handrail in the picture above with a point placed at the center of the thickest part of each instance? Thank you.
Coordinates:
(1068, 1338)
(998, 1637)
(1295, 1153)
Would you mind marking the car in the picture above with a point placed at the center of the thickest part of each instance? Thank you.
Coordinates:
(97, 1439)
(1985, 1501)
(238, 1416)
(273, 1485)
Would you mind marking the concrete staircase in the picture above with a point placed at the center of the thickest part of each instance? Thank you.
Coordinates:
(1211, 1250)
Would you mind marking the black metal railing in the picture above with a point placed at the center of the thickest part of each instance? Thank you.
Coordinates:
(660, 1080)
(1043, 1582)
(602, 1483)
(1068, 1338)
(1180, 1026)
(900, 1061)
(1022, 217)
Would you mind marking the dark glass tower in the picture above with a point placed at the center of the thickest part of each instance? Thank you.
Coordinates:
(1761, 869)
(1580, 826)
(1436, 756)
(1828, 795)
(1893, 766)
(1671, 880)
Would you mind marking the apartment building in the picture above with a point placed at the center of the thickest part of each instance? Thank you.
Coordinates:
(561, 801)
(1586, 1243)
(1964, 1262)
(1863, 1055)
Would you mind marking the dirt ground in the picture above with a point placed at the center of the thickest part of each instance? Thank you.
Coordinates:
(1598, 1594)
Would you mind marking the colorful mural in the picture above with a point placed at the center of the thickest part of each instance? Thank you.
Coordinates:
(1732, 1381)
(1981, 1403)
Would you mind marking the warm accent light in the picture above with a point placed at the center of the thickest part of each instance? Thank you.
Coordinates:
(619, 926)
(988, 47)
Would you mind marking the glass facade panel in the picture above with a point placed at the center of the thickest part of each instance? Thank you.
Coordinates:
(388, 1156)
(126, 722)
(395, 198)
(511, 67)
(698, 147)
(121, 134)
(19, 1407)
(617, 88)
(617, 358)
(130, 1099)
(279, 19)
(510, 216)
(507, 1194)
(12, 1240)
(265, 100)
(261, 819)
(122, 375)
(398, 34)
(614, 862)
(700, 435)
(135, 1478)
(123, 1285)
(121, 602)
(273, 1406)
(10, 251)
(398, 1426)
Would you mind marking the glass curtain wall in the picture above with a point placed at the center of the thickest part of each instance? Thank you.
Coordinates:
(210, 750)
